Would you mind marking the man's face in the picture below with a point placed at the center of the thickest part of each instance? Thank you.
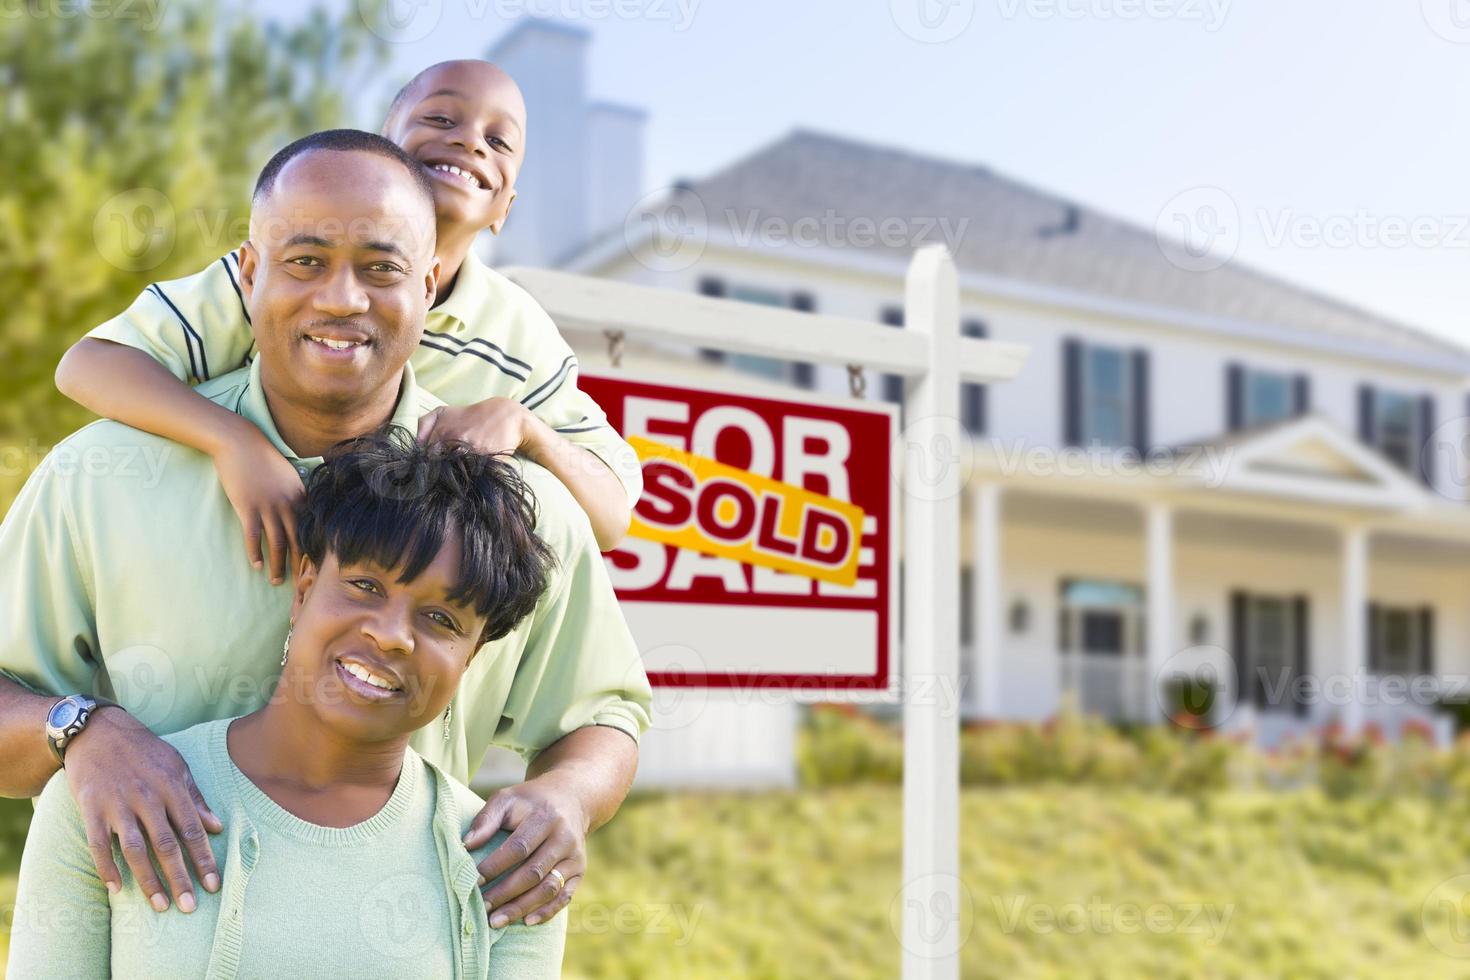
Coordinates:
(469, 115)
(338, 275)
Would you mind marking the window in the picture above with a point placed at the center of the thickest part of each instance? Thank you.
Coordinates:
(1269, 638)
(1395, 427)
(1400, 640)
(1105, 396)
(1106, 402)
(1267, 397)
(799, 373)
(1256, 397)
(1398, 424)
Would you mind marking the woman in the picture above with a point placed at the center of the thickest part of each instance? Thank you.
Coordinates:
(341, 853)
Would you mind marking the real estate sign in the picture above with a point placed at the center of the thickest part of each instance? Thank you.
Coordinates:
(762, 552)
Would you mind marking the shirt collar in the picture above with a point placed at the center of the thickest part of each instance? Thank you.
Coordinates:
(466, 304)
(253, 407)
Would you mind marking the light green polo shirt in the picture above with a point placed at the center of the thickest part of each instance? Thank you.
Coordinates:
(122, 574)
(488, 339)
(393, 896)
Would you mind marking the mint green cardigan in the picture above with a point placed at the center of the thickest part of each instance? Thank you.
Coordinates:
(392, 896)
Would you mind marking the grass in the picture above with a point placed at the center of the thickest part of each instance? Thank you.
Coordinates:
(1062, 881)
(1059, 882)
(15, 817)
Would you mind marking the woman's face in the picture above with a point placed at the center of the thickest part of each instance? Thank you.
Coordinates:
(379, 658)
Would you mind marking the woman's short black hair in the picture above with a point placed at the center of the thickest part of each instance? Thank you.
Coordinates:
(387, 499)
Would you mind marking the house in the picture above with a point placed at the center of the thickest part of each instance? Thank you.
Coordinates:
(1210, 491)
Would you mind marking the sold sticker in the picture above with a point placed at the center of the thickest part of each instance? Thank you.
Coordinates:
(704, 505)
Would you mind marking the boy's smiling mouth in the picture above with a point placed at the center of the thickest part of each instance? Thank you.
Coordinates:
(464, 176)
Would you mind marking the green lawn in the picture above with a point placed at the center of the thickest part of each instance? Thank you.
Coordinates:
(801, 885)
(1062, 881)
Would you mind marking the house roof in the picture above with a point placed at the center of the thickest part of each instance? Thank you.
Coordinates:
(1017, 232)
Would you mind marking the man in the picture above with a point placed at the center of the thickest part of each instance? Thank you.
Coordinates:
(121, 574)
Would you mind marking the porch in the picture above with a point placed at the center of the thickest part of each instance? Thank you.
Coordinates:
(1291, 580)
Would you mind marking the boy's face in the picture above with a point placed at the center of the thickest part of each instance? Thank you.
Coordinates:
(469, 115)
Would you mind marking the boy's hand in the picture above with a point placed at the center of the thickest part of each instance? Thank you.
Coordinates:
(495, 425)
(267, 493)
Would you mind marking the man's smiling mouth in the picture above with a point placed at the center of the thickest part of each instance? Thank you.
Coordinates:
(332, 344)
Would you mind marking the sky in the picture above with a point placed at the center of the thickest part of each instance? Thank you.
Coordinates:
(1322, 141)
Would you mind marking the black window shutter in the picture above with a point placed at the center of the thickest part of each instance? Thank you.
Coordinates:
(1425, 447)
(1234, 397)
(1299, 610)
(1140, 401)
(1365, 414)
(1426, 640)
(804, 373)
(1301, 392)
(1072, 391)
(893, 383)
(1241, 655)
(1375, 643)
(973, 397)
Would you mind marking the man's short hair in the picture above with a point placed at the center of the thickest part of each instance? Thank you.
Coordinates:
(342, 141)
(388, 499)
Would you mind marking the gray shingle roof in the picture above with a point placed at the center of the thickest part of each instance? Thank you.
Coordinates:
(1017, 232)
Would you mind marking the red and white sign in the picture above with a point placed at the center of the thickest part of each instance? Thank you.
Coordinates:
(762, 551)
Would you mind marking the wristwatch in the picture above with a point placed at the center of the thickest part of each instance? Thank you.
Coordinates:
(65, 720)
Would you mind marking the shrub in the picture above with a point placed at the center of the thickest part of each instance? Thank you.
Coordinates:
(842, 745)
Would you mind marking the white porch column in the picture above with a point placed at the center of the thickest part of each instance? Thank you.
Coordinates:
(985, 601)
(1354, 625)
(1160, 602)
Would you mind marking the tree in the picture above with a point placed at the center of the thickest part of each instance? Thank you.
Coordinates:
(129, 143)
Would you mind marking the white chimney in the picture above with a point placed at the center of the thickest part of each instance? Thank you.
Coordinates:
(550, 214)
(615, 145)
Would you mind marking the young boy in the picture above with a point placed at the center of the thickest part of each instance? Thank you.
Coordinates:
(487, 348)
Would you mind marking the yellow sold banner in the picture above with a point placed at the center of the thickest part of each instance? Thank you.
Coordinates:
(707, 506)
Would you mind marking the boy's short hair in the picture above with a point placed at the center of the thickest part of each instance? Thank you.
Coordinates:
(388, 499)
(342, 141)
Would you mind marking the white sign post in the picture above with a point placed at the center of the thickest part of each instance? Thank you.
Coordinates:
(931, 441)
(933, 908)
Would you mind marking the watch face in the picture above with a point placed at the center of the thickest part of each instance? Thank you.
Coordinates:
(63, 714)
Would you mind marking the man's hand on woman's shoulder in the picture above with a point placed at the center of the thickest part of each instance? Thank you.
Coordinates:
(131, 785)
